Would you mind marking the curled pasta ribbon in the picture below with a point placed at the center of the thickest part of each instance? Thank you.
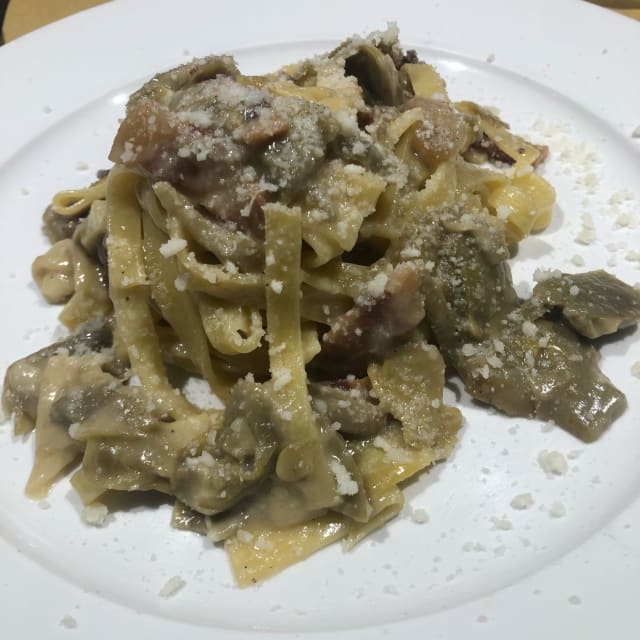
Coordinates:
(74, 201)
(231, 328)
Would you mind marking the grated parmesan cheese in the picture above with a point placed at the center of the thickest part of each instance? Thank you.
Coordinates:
(281, 378)
(502, 524)
(180, 283)
(69, 622)
(244, 536)
(522, 501)
(171, 587)
(419, 516)
(540, 275)
(276, 285)
(587, 233)
(347, 486)
(553, 463)
(95, 514)
(396, 454)
(376, 286)
(172, 247)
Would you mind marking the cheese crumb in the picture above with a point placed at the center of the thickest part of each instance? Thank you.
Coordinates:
(540, 275)
(172, 247)
(69, 622)
(376, 286)
(547, 426)
(180, 283)
(281, 378)
(553, 463)
(587, 234)
(244, 536)
(95, 514)
(396, 454)
(469, 350)
(503, 524)
(522, 501)
(578, 260)
(635, 369)
(557, 510)
(74, 429)
(276, 285)
(171, 587)
(419, 516)
(347, 486)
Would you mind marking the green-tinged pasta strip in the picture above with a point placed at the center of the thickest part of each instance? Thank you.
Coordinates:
(338, 278)
(409, 385)
(425, 80)
(75, 201)
(255, 557)
(55, 449)
(334, 206)
(130, 294)
(219, 281)
(88, 490)
(384, 462)
(231, 328)
(91, 297)
(222, 241)
(177, 306)
(283, 240)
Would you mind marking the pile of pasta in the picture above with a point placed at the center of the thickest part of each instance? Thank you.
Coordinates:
(263, 234)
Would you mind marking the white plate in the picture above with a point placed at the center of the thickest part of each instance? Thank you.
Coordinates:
(457, 576)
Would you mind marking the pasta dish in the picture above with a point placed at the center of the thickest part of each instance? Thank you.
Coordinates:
(322, 247)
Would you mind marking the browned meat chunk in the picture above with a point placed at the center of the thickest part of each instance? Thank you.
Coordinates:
(373, 325)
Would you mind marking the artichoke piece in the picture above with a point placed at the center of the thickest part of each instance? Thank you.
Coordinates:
(376, 74)
(409, 385)
(351, 409)
(130, 445)
(469, 287)
(57, 227)
(163, 85)
(595, 303)
(242, 454)
(186, 519)
(507, 354)
(542, 368)
(22, 380)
